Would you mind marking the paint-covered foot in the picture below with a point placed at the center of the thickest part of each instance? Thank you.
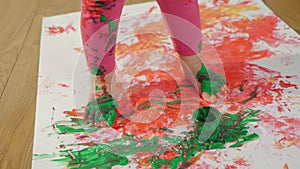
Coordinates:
(101, 110)
(210, 83)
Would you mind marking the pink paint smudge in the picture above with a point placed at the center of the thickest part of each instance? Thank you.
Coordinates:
(64, 85)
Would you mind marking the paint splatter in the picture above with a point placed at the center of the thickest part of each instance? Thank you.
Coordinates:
(55, 30)
(80, 50)
(64, 85)
(285, 166)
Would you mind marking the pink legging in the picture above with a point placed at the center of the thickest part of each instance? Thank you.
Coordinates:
(99, 27)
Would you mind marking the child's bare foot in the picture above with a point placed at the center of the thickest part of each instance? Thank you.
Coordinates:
(101, 109)
(210, 83)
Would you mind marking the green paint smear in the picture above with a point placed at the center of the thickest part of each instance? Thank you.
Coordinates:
(107, 155)
(245, 139)
(95, 159)
(103, 18)
(98, 109)
(230, 129)
(99, 71)
(227, 130)
(69, 129)
(211, 82)
(102, 109)
(200, 46)
(147, 104)
(113, 26)
(43, 156)
(100, 4)
(166, 130)
(252, 95)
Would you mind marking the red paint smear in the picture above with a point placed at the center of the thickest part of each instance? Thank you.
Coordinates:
(287, 84)
(284, 120)
(151, 9)
(82, 137)
(285, 126)
(290, 77)
(242, 79)
(239, 50)
(54, 30)
(224, 1)
(202, 165)
(230, 167)
(168, 155)
(64, 85)
(260, 28)
(234, 52)
(141, 121)
(280, 108)
(272, 120)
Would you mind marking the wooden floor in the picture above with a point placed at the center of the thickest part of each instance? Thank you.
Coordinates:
(20, 30)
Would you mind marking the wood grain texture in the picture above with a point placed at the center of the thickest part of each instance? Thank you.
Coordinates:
(287, 10)
(17, 104)
(20, 30)
(15, 23)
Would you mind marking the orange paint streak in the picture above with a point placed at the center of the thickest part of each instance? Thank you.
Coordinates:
(54, 30)
(287, 141)
(152, 9)
(80, 50)
(241, 162)
(74, 113)
(212, 16)
(285, 166)
(168, 155)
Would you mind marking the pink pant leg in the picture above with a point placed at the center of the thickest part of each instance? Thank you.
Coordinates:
(183, 21)
(99, 27)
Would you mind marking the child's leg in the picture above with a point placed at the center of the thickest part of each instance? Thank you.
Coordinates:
(183, 21)
(99, 27)
(182, 18)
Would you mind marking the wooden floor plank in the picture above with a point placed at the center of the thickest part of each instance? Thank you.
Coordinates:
(287, 11)
(16, 18)
(19, 98)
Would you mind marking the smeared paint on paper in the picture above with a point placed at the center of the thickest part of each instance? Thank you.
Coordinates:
(262, 99)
